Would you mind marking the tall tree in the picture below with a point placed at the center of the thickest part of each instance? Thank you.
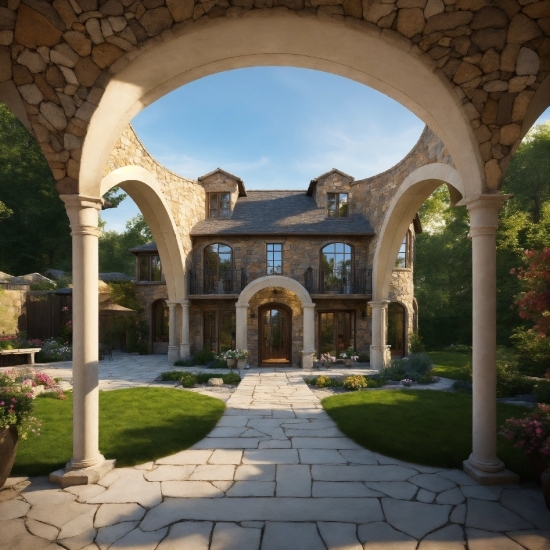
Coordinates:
(34, 225)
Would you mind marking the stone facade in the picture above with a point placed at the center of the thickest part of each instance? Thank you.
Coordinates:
(61, 55)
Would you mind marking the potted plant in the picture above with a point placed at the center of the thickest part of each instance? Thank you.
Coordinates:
(232, 356)
(349, 356)
(16, 420)
(531, 434)
(327, 359)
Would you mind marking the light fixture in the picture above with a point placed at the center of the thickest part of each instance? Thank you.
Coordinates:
(252, 314)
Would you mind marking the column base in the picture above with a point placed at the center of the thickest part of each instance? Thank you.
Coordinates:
(380, 357)
(173, 353)
(185, 351)
(307, 359)
(86, 476)
(504, 477)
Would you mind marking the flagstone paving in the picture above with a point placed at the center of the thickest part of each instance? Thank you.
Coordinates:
(274, 474)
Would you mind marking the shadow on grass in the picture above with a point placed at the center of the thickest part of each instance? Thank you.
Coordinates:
(135, 426)
(424, 426)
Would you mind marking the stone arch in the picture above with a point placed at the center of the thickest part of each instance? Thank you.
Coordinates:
(273, 281)
(539, 103)
(414, 190)
(145, 190)
(357, 52)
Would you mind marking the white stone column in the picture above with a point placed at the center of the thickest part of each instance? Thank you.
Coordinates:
(241, 336)
(309, 335)
(378, 348)
(173, 348)
(483, 464)
(83, 216)
(185, 342)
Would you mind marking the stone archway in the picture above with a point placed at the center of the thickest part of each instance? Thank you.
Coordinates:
(308, 306)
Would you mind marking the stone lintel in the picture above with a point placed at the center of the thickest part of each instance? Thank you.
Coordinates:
(86, 476)
(504, 477)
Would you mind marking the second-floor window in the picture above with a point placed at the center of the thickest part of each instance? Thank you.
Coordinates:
(219, 205)
(337, 205)
(336, 267)
(149, 268)
(218, 268)
(274, 259)
(402, 260)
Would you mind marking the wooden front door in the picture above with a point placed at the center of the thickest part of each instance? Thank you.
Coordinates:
(275, 333)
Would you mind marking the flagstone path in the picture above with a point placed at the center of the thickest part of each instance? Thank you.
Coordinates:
(275, 474)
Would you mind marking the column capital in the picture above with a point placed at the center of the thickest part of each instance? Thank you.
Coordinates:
(81, 201)
(379, 304)
(483, 210)
(488, 200)
(183, 303)
(83, 213)
(308, 306)
(241, 306)
(171, 303)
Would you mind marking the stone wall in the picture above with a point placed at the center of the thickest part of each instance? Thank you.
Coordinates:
(186, 198)
(61, 55)
(12, 311)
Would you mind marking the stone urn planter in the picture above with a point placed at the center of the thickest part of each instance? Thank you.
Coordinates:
(8, 448)
(348, 363)
(231, 363)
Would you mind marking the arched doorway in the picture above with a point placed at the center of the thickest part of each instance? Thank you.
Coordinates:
(275, 329)
(160, 327)
(396, 329)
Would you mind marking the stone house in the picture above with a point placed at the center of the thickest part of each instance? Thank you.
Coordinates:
(318, 237)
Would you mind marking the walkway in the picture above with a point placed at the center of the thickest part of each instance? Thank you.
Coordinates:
(275, 474)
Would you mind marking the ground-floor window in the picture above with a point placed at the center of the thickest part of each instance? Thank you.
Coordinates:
(336, 331)
(219, 330)
(160, 321)
(396, 328)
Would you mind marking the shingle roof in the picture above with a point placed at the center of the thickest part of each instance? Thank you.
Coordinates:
(149, 247)
(281, 212)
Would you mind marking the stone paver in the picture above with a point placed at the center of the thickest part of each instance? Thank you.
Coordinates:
(275, 473)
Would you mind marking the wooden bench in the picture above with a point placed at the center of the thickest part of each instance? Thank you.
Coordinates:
(24, 351)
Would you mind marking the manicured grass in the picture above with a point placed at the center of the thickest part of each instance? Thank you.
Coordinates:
(423, 426)
(135, 425)
(450, 364)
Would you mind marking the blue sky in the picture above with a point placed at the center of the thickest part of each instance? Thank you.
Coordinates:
(275, 127)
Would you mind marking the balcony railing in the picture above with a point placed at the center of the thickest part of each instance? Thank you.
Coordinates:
(315, 281)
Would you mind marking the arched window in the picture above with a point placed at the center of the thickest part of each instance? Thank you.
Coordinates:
(336, 268)
(218, 269)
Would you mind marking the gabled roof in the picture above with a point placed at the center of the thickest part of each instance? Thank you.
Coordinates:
(279, 213)
(314, 181)
(149, 247)
(240, 183)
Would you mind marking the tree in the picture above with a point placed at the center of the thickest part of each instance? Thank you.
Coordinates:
(35, 228)
(114, 246)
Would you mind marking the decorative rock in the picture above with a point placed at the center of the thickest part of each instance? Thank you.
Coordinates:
(433, 7)
(522, 29)
(489, 17)
(181, 9)
(33, 61)
(509, 57)
(377, 11)
(521, 103)
(215, 382)
(71, 142)
(466, 72)
(105, 54)
(86, 71)
(94, 30)
(410, 21)
(78, 42)
(528, 62)
(351, 7)
(54, 115)
(33, 29)
(106, 29)
(446, 21)
(156, 20)
(69, 75)
(31, 94)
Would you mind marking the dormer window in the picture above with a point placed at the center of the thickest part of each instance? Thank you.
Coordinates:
(337, 205)
(219, 205)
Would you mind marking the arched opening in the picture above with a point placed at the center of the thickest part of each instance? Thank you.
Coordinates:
(397, 329)
(160, 327)
(275, 330)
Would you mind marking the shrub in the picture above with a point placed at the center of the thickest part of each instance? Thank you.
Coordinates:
(542, 392)
(324, 382)
(372, 383)
(509, 380)
(217, 364)
(232, 378)
(462, 386)
(415, 343)
(355, 382)
(171, 375)
(183, 363)
(204, 356)
(425, 379)
(459, 348)
(364, 358)
(53, 350)
(413, 367)
(188, 379)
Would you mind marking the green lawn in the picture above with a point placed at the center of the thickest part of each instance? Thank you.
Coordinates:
(450, 364)
(135, 425)
(423, 426)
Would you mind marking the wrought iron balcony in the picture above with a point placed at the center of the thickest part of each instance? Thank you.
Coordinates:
(315, 281)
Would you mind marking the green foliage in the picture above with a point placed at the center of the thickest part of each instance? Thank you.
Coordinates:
(542, 391)
(114, 246)
(183, 363)
(355, 382)
(138, 334)
(533, 352)
(204, 357)
(416, 345)
(171, 375)
(231, 378)
(124, 294)
(35, 228)
(188, 379)
(413, 367)
(451, 365)
(364, 358)
(459, 348)
(323, 382)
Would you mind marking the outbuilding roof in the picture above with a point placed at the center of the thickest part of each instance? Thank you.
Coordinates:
(281, 212)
